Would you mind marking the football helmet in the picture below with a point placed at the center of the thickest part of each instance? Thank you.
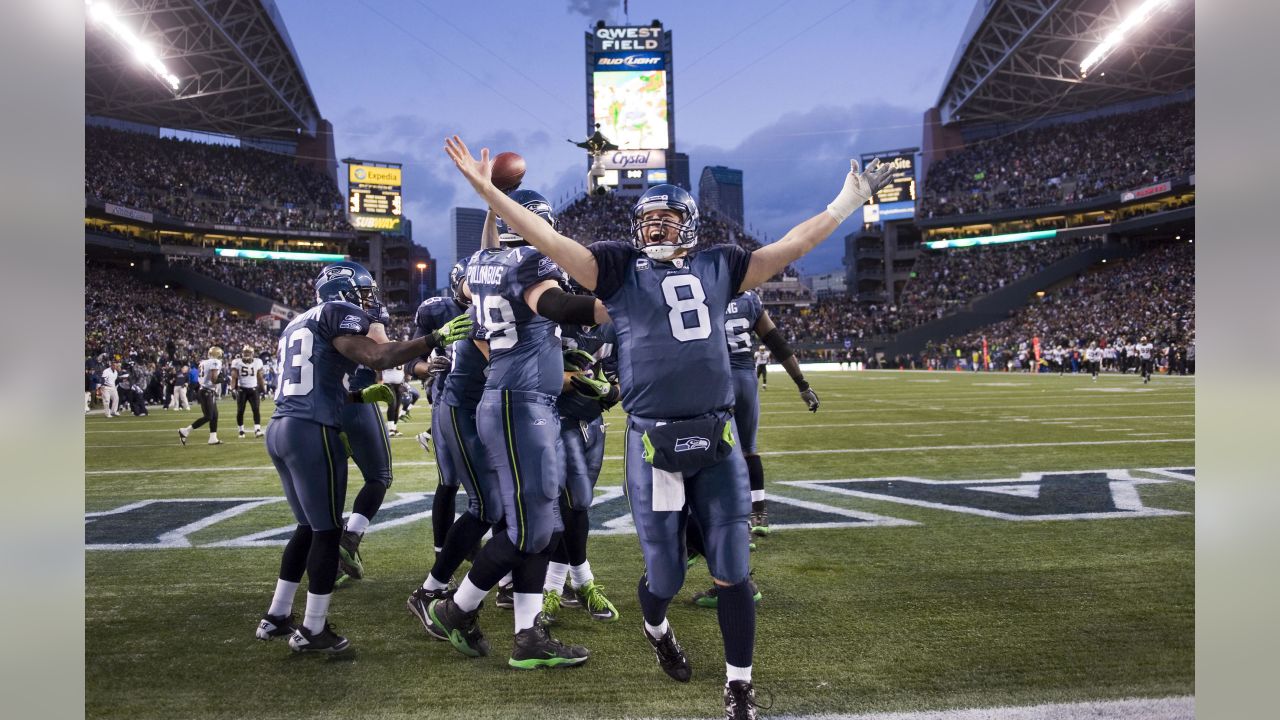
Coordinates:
(215, 352)
(536, 204)
(246, 352)
(347, 281)
(664, 197)
(456, 277)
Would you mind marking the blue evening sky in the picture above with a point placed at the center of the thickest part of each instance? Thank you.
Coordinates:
(786, 91)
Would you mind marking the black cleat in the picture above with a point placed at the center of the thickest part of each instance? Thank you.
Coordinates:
(349, 560)
(759, 523)
(506, 597)
(670, 655)
(739, 700)
(325, 641)
(274, 626)
(570, 598)
(460, 628)
(535, 648)
(418, 603)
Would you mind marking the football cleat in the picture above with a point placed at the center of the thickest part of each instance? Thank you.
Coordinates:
(418, 603)
(535, 648)
(271, 627)
(325, 641)
(596, 603)
(739, 700)
(570, 597)
(349, 560)
(550, 606)
(711, 598)
(459, 627)
(214, 441)
(506, 597)
(759, 523)
(393, 433)
(241, 434)
(670, 655)
(182, 434)
(258, 433)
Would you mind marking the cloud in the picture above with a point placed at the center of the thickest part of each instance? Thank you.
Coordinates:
(594, 9)
(794, 166)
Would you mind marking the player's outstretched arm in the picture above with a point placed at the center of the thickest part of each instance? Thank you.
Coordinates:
(380, 356)
(489, 237)
(568, 254)
(858, 188)
(777, 344)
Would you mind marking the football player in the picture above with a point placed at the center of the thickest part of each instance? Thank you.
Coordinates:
(668, 309)
(1144, 349)
(589, 389)
(210, 379)
(1093, 357)
(362, 432)
(246, 376)
(762, 366)
(318, 349)
(518, 301)
(460, 456)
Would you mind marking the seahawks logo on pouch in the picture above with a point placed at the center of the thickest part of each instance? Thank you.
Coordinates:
(692, 443)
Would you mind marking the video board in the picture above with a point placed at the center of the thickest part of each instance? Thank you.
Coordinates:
(902, 186)
(629, 85)
(374, 201)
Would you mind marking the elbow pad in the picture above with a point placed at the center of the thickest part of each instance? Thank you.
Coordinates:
(559, 306)
(777, 345)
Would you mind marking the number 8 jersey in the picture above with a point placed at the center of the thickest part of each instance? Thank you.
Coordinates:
(673, 356)
(312, 371)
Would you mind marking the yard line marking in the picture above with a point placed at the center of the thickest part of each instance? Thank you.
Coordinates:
(1168, 708)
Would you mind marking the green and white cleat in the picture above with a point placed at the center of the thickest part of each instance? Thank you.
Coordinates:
(597, 604)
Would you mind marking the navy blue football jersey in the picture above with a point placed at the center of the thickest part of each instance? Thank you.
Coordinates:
(739, 320)
(673, 357)
(311, 369)
(524, 348)
(431, 315)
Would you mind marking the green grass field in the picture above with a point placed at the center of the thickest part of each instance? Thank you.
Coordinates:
(916, 596)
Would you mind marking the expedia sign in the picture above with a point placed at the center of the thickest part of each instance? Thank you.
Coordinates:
(612, 39)
(606, 62)
(633, 159)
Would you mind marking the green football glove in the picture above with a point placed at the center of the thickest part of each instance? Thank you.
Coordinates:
(377, 393)
(346, 442)
(576, 360)
(588, 387)
(454, 330)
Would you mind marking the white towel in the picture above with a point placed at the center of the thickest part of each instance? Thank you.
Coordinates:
(668, 491)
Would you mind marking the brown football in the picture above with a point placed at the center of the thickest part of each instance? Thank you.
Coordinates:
(508, 171)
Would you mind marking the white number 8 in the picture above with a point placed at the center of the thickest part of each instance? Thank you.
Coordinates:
(696, 303)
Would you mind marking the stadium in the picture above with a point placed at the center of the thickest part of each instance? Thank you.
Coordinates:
(989, 514)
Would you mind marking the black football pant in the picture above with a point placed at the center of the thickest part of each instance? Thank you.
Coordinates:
(247, 396)
(208, 406)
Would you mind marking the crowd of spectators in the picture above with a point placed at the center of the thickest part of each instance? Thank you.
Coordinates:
(289, 283)
(1151, 295)
(1064, 163)
(202, 182)
(129, 319)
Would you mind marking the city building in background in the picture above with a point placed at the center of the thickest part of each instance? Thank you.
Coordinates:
(720, 193)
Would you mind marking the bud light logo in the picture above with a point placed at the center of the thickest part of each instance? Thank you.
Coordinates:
(629, 61)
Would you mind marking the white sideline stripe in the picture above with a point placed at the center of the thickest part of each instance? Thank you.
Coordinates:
(838, 451)
(1169, 708)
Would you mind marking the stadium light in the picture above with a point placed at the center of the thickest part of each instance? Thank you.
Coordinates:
(1117, 36)
(105, 16)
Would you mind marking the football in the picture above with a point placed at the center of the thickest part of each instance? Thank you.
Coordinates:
(508, 171)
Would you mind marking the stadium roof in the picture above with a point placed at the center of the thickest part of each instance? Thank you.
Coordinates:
(1020, 59)
(237, 69)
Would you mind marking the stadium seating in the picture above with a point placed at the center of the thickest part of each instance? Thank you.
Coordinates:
(289, 283)
(1065, 163)
(201, 182)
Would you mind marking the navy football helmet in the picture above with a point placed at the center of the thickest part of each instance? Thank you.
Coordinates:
(456, 276)
(535, 203)
(347, 281)
(664, 197)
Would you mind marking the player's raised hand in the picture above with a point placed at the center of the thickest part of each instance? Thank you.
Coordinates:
(876, 175)
(478, 172)
(859, 187)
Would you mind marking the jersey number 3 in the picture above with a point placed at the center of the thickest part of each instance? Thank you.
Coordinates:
(691, 307)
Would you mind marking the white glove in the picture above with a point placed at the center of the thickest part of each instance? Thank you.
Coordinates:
(858, 188)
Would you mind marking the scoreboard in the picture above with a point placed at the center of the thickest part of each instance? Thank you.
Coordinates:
(373, 195)
(902, 184)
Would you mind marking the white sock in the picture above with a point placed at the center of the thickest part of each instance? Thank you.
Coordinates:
(317, 610)
(581, 574)
(736, 673)
(241, 428)
(357, 523)
(256, 427)
(757, 496)
(282, 601)
(556, 573)
(468, 597)
(431, 583)
(187, 429)
(391, 425)
(438, 549)
(657, 631)
(213, 437)
(506, 580)
(528, 605)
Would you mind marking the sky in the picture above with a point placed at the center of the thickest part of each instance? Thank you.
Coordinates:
(786, 90)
